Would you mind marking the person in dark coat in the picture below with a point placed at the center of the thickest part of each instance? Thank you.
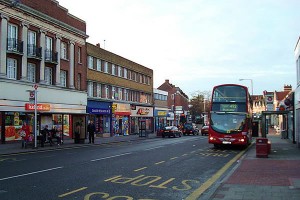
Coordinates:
(91, 130)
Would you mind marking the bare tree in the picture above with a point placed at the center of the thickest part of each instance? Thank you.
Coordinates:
(200, 102)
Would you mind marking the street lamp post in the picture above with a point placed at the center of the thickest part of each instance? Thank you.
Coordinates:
(244, 79)
(174, 109)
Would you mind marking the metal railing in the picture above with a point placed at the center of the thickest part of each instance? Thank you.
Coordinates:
(14, 45)
(34, 51)
(50, 56)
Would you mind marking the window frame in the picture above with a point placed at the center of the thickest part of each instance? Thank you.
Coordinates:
(48, 77)
(31, 72)
(12, 67)
(90, 62)
(63, 50)
(63, 78)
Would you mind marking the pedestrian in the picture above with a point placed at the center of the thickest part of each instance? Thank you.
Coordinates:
(47, 134)
(91, 130)
(25, 133)
(56, 135)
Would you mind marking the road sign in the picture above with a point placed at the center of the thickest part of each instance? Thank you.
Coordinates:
(31, 94)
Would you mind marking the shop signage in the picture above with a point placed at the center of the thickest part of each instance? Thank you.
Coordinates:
(40, 107)
(162, 113)
(142, 111)
(121, 109)
(102, 111)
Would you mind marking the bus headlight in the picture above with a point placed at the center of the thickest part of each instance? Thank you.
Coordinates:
(242, 140)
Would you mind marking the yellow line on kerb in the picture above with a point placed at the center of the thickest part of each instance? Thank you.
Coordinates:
(195, 195)
(72, 192)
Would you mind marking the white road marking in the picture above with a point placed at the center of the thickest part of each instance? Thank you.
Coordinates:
(154, 148)
(41, 171)
(110, 157)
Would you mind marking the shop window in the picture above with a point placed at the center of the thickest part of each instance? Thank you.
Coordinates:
(14, 122)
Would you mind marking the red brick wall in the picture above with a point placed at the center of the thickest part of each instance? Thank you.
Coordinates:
(53, 9)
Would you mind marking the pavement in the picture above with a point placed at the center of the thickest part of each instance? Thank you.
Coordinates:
(276, 177)
(16, 147)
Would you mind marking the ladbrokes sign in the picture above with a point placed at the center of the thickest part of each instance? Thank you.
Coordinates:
(40, 107)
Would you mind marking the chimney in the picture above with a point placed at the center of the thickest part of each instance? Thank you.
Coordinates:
(167, 81)
(98, 45)
(287, 88)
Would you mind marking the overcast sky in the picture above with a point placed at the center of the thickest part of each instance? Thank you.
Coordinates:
(197, 44)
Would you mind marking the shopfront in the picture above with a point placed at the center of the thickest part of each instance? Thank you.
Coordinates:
(120, 119)
(160, 118)
(138, 114)
(13, 115)
(100, 113)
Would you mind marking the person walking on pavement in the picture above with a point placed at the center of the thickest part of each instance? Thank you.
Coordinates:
(91, 130)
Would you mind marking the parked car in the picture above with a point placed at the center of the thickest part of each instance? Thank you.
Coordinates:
(171, 131)
(204, 130)
(189, 128)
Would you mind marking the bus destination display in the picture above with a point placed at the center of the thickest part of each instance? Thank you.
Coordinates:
(228, 107)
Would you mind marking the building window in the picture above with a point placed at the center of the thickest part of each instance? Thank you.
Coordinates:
(31, 43)
(31, 72)
(120, 94)
(99, 90)
(105, 67)
(11, 68)
(120, 71)
(129, 74)
(12, 37)
(133, 76)
(48, 75)
(78, 81)
(113, 90)
(63, 49)
(106, 91)
(126, 95)
(63, 78)
(79, 55)
(99, 65)
(141, 78)
(48, 51)
(125, 73)
(90, 89)
(90, 62)
(113, 69)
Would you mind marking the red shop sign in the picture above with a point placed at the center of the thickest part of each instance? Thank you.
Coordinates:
(40, 107)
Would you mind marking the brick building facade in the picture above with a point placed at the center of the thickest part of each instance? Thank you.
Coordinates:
(120, 93)
(41, 45)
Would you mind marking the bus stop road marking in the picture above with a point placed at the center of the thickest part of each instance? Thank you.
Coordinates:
(140, 169)
(160, 162)
(196, 194)
(72, 192)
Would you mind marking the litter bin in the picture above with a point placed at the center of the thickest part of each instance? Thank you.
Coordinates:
(262, 147)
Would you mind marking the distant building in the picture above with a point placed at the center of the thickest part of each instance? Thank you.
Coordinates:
(161, 110)
(120, 93)
(178, 102)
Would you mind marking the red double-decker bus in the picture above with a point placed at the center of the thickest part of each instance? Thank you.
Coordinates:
(230, 116)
